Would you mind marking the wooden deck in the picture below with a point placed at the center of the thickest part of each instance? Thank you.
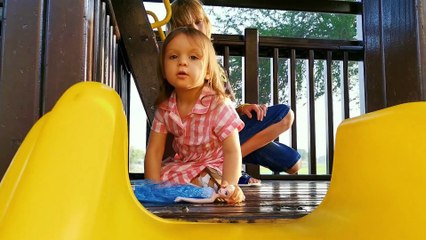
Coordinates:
(273, 200)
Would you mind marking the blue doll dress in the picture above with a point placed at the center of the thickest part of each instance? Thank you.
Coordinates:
(148, 192)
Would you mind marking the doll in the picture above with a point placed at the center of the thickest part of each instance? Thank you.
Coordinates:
(221, 194)
(148, 191)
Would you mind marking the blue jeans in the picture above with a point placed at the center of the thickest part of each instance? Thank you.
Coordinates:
(275, 156)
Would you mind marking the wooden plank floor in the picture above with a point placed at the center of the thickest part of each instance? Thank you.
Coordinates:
(273, 200)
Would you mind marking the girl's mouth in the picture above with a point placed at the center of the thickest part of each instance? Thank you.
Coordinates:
(182, 74)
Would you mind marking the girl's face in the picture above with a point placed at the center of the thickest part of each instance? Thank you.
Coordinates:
(200, 25)
(184, 63)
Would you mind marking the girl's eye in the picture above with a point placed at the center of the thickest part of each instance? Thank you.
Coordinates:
(198, 21)
(172, 57)
(193, 57)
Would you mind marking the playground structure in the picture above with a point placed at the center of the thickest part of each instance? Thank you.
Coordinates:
(69, 180)
(55, 44)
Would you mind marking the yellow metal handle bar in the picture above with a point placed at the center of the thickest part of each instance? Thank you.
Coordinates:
(160, 31)
(166, 18)
(157, 24)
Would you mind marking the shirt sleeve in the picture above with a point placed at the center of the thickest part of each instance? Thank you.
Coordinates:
(226, 120)
(158, 124)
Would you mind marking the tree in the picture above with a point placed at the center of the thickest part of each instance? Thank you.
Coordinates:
(286, 24)
(136, 155)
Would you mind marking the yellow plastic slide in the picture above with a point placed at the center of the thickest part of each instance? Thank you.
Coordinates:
(69, 180)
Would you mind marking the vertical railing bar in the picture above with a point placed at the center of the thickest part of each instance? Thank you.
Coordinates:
(114, 23)
(275, 67)
(311, 123)
(126, 86)
(329, 114)
(345, 85)
(120, 77)
(90, 12)
(226, 68)
(107, 57)
(275, 76)
(114, 63)
(226, 59)
(102, 44)
(96, 31)
(120, 83)
(293, 96)
(111, 54)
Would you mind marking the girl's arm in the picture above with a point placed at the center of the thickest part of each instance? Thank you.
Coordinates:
(232, 165)
(232, 158)
(154, 155)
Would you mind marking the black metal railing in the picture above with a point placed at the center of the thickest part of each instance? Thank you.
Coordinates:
(107, 63)
(253, 48)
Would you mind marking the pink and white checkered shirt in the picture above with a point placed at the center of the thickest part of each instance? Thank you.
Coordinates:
(198, 137)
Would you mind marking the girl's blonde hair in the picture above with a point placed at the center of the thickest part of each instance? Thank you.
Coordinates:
(213, 68)
(186, 12)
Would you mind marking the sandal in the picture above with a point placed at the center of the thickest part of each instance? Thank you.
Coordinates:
(245, 180)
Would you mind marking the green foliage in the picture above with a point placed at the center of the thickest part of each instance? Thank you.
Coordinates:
(136, 155)
(284, 23)
(287, 24)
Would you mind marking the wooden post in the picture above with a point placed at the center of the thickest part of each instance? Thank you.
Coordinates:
(395, 57)
(251, 90)
(44, 53)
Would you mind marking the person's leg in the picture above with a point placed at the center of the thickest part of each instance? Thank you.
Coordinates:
(277, 157)
(296, 167)
(256, 134)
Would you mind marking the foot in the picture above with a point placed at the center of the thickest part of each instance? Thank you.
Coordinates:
(247, 180)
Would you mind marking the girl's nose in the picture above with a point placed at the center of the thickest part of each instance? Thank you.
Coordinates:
(182, 61)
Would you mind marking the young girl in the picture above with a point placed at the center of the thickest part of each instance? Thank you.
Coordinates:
(194, 108)
(262, 124)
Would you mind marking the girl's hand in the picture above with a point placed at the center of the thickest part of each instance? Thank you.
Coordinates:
(259, 109)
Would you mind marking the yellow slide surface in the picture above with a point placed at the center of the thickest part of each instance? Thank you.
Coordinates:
(69, 180)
